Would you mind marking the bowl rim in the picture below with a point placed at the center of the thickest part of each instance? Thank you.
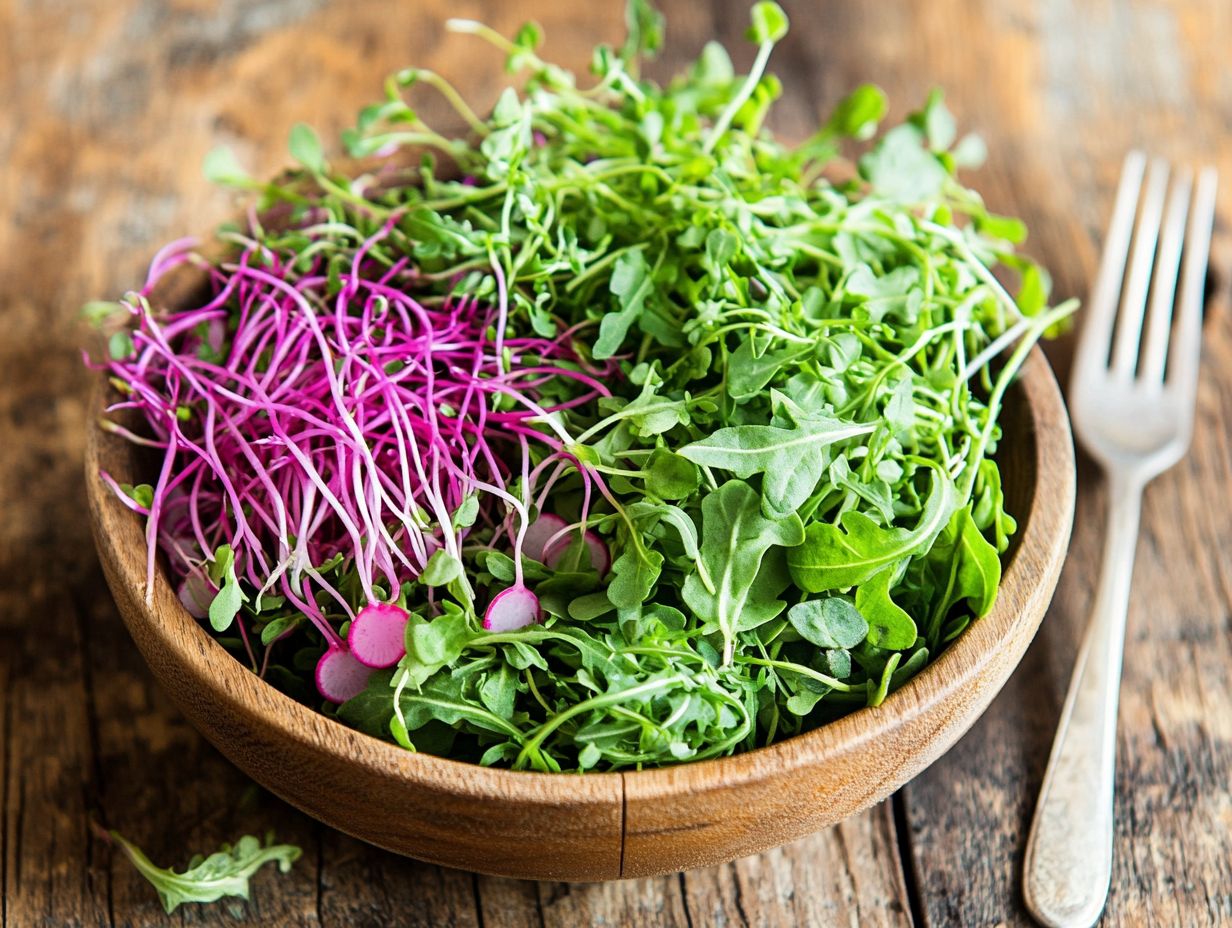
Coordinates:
(1039, 549)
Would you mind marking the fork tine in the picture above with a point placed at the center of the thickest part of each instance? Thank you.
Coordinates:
(1097, 328)
(1133, 301)
(1187, 345)
(1163, 289)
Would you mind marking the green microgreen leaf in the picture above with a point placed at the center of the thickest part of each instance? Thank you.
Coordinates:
(305, 147)
(226, 872)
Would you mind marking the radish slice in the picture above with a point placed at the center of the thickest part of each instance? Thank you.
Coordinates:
(196, 593)
(596, 552)
(600, 558)
(340, 676)
(376, 637)
(512, 609)
(539, 532)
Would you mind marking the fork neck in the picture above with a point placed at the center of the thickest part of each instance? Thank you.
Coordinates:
(1120, 544)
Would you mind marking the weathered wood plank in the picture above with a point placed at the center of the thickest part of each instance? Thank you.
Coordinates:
(1069, 91)
(114, 104)
(113, 111)
(847, 875)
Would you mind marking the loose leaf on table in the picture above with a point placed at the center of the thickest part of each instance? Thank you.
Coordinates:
(834, 557)
(224, 873)
(736, 536)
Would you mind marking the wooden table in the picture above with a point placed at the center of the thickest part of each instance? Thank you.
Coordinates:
(110, 106)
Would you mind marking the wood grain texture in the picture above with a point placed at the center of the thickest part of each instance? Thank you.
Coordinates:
(109, 108)
(1069, 88)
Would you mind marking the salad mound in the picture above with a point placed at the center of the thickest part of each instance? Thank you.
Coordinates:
(614, 433)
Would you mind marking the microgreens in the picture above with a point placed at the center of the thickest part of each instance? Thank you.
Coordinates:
(651, 438)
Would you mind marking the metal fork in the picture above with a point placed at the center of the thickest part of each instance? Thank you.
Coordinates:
(1132, 399)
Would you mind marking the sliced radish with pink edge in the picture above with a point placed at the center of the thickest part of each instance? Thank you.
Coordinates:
(340, 676)
(377, 636)
(596, 551)
(196, 593)
(539, 533)
(512, 609)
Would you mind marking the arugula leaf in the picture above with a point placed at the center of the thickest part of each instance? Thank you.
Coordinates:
(791, 459)
(748, 372)
(834, 558)
(630, 285)
(979, 568)
(226, 872)
(433, 645)
(633, 576)
(889, 626)
(736, 536)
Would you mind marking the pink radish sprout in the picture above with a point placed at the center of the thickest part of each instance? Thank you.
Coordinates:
(302, 412)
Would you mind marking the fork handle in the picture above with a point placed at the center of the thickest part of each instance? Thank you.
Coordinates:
(1068, 865)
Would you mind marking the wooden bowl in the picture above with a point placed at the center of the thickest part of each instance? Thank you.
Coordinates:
(602, 826)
